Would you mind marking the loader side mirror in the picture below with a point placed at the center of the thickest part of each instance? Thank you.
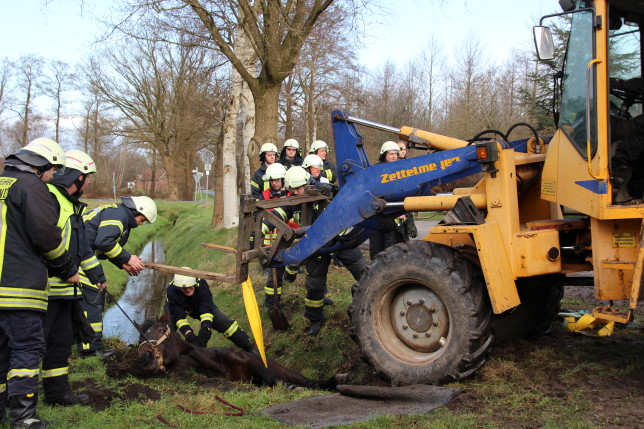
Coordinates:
(543, 42)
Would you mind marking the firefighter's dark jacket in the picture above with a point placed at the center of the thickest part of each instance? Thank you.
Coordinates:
(30, 241)
(108, 228)
(70, 211)
(330, 171)
(199, 305)
(257, 183)
(298, 160)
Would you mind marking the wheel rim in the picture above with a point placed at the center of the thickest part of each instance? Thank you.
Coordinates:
(412, 322)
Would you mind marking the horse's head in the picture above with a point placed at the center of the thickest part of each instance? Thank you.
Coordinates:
(158, 349)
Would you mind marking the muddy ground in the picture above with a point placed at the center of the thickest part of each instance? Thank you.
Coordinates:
(619, 391)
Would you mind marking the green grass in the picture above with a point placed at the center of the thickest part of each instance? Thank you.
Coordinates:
(550, 383)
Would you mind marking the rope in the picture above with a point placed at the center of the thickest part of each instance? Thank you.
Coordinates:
(223, 401)
(188, 410)
(110, 296)
(164, 421)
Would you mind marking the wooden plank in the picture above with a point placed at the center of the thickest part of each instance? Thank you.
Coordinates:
(220, 247)
(226, 278)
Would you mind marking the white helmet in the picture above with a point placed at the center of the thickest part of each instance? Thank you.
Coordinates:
(389, 147)
(184, 281)
(275, 171)
(292, 143)
(79, 160)
(313, 161)
(295, 177)
(143, 205)
(318, 144)
(40, 152)
(267, 147)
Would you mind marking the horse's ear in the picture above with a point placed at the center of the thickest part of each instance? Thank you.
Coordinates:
(138, 327)
(165, 318)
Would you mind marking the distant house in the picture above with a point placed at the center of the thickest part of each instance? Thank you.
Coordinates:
(144, 180)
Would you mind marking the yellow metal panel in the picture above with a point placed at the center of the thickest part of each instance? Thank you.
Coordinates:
(531, 250)
(615, 252)
(495, 264)
(559, 179)
(502, 201)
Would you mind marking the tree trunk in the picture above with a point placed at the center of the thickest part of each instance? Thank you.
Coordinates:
(229, 157)
(218, 210)
(248, 109)
(153, 175)
(266, 102)
(173, 192)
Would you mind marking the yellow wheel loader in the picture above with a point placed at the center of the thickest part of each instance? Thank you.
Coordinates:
(429, 311)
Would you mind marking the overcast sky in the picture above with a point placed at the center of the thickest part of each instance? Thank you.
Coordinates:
(61, 30)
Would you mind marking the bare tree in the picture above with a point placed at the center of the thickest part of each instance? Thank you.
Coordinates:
(277, 32)
(54, 86)
(164, 93)
(28, 77)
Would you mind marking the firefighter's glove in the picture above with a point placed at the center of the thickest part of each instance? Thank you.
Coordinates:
(62, 266)
(326, 189)
(204, 336)
(192, 338)
(290, 273)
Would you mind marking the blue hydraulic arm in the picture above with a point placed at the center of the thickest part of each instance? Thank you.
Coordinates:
(365, 190)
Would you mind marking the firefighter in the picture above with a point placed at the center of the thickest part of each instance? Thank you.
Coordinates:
(275, 177)
(191, 296)
(65, 189)
(31, 246)
(380, 240)
(317, 268)
(267, 156)
(290, 154)
(402, 146)
(108, 229)
(314, 165)
(322, 150)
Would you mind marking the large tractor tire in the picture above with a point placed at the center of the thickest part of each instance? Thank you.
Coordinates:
(540, 303)
(421, 315)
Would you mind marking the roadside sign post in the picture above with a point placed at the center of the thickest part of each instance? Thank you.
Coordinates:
(207, 157)
(207, 168)
(196, 174)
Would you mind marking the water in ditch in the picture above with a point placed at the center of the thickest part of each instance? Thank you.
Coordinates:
(143, 297)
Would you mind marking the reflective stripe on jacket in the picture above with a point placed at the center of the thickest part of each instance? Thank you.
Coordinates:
(28, 233)
(108, 229)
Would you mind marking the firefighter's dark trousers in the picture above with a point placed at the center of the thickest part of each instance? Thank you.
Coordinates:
(59, 338)
(22, 346)
(270, 290)
(316, 273)
(93, 306)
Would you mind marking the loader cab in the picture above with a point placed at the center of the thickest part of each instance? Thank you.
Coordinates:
(602, 41)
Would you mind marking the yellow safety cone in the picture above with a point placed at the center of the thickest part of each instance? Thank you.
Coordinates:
(607, 330)
(252, 311)
(586, 321)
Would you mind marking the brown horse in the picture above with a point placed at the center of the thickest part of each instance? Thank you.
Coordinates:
(163, 348)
